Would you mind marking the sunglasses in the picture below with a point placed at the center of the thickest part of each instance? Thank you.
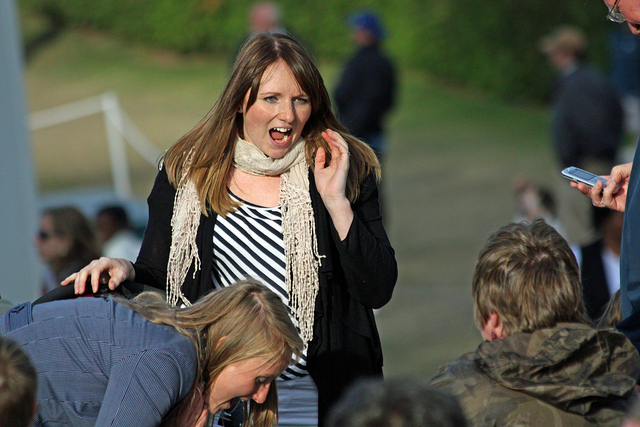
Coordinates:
(43, 235)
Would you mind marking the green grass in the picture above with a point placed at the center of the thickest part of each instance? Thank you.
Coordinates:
(447, 179)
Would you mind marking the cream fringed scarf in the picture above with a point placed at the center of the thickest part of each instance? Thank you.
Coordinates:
(298, 229)
(184, 227)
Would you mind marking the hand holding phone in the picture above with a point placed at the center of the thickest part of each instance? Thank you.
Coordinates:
(573, 173)
(613, 199)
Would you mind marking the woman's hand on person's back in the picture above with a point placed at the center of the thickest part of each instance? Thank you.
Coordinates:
(115, 270)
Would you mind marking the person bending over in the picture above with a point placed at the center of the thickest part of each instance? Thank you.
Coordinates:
(141, 362)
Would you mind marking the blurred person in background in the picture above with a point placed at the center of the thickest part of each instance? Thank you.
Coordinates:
(395, 402)
(18, 386)
(542, 363)
(587, 125)
(65, 242)
(366, 89)
(270, 185)
(265, 17)
(599, 261)
(115, 234)
(535, 201)
(119, 362)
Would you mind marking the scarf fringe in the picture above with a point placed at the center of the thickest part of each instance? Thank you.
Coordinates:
(301, 252)
(184, 227)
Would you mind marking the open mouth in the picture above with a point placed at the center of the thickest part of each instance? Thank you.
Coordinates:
(280, 135)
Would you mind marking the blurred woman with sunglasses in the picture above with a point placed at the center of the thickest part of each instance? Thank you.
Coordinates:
(65, 242)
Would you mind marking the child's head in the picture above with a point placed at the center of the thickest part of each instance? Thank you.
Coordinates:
(18, 385)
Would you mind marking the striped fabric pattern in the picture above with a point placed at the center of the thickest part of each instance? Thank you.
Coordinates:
(100, 364)
(248, 243)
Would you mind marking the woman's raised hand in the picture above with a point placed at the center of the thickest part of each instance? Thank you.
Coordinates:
(117, 269)
(331, 181)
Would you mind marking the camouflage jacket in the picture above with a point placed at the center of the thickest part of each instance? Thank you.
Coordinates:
(569, 375)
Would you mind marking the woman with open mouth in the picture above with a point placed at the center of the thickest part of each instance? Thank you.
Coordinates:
(270, 185)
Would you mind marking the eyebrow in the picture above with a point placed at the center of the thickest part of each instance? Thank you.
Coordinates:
(301, 93)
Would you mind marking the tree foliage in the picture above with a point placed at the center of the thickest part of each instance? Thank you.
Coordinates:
(492, 46)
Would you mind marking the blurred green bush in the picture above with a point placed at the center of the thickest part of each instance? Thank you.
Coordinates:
(490, 45)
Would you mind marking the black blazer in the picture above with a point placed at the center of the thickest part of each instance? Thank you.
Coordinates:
(357, 276)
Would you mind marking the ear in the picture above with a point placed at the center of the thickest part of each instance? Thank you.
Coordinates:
(220, 341)
(493, 328)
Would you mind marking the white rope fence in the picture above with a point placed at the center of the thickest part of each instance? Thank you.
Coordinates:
(118, 127)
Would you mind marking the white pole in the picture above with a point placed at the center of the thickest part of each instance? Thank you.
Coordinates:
(138, 141)
(119, 123)
(117, 149)
(66, 113)
(20, 270)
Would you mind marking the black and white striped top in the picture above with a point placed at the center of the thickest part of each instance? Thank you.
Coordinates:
(249, 243)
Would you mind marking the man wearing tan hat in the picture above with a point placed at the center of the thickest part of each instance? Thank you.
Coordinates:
(587, 126)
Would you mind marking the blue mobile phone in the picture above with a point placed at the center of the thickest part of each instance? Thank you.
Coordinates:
(578, 175)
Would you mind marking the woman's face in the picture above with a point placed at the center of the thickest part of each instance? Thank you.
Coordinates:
(50, 246)
(276, 120)
(247, 379)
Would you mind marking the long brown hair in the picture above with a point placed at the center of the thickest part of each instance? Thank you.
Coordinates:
(253, 322)
(612, 312)
(69, 221)
(205, 153)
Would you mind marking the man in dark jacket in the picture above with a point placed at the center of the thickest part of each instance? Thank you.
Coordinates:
(366, 89)
(587, 125)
